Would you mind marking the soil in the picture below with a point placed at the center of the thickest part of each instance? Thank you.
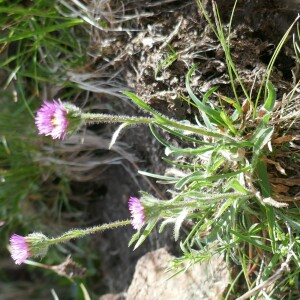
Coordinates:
(168, 38)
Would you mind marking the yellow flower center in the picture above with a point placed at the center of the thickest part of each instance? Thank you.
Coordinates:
(54, 121)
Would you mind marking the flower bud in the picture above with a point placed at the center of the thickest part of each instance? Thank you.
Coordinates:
(33, 245)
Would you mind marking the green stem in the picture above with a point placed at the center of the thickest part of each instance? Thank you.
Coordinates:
(76, 233)
(104, 118)
(197, 130)
(202, 200)
(229, 195)
(180, 205)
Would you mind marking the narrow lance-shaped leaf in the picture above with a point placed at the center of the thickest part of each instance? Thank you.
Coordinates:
(161, 177)
(134, 238)
(179, 222)
(214, 115)
(150, 225)
(270, 101)
(263, 178)
(251, 240)
(41, 31)
(116, 134)
(271, 226)
(144, 106)
(198, 175)
(262, 137)
(229, 124)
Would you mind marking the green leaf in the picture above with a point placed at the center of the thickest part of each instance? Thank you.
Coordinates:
(228, 122)
(159, 138)
(139, 102)
(150, 225)
(235, 115)
(262, 136)
(235, 184)
(85, 293)
(183, 135)
(41, 31)
(204, 226)
(134, 238)
(17, 10)
(205, 118)
(206, 121)
(214, 115)
(263, 178)
(235, 104)
(178, 223)
(224, 207)
(164, 223)
(271, 226)
(166, 62)
(251, 240)
(116, 135)
(209, 93)
(293, 223)
(195, 176)
(184, 166)
(255, 228)
(269, 269)
(201, 176)
(167, 178)
(191, 151)
(270, 101)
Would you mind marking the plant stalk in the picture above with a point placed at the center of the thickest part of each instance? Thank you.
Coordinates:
(76, 233)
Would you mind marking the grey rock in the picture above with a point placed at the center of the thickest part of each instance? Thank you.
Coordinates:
(201, 281)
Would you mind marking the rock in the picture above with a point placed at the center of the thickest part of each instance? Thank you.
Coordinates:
(121, 296)
(202, 281)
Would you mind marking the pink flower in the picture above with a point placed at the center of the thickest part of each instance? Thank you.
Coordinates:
(137, 213)
(51, 119)
(33, 245)
(19, 248)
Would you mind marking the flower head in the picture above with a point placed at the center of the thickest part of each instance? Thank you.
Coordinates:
(51, 119)
(137, 213)
(19, 248)
(34, 244)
